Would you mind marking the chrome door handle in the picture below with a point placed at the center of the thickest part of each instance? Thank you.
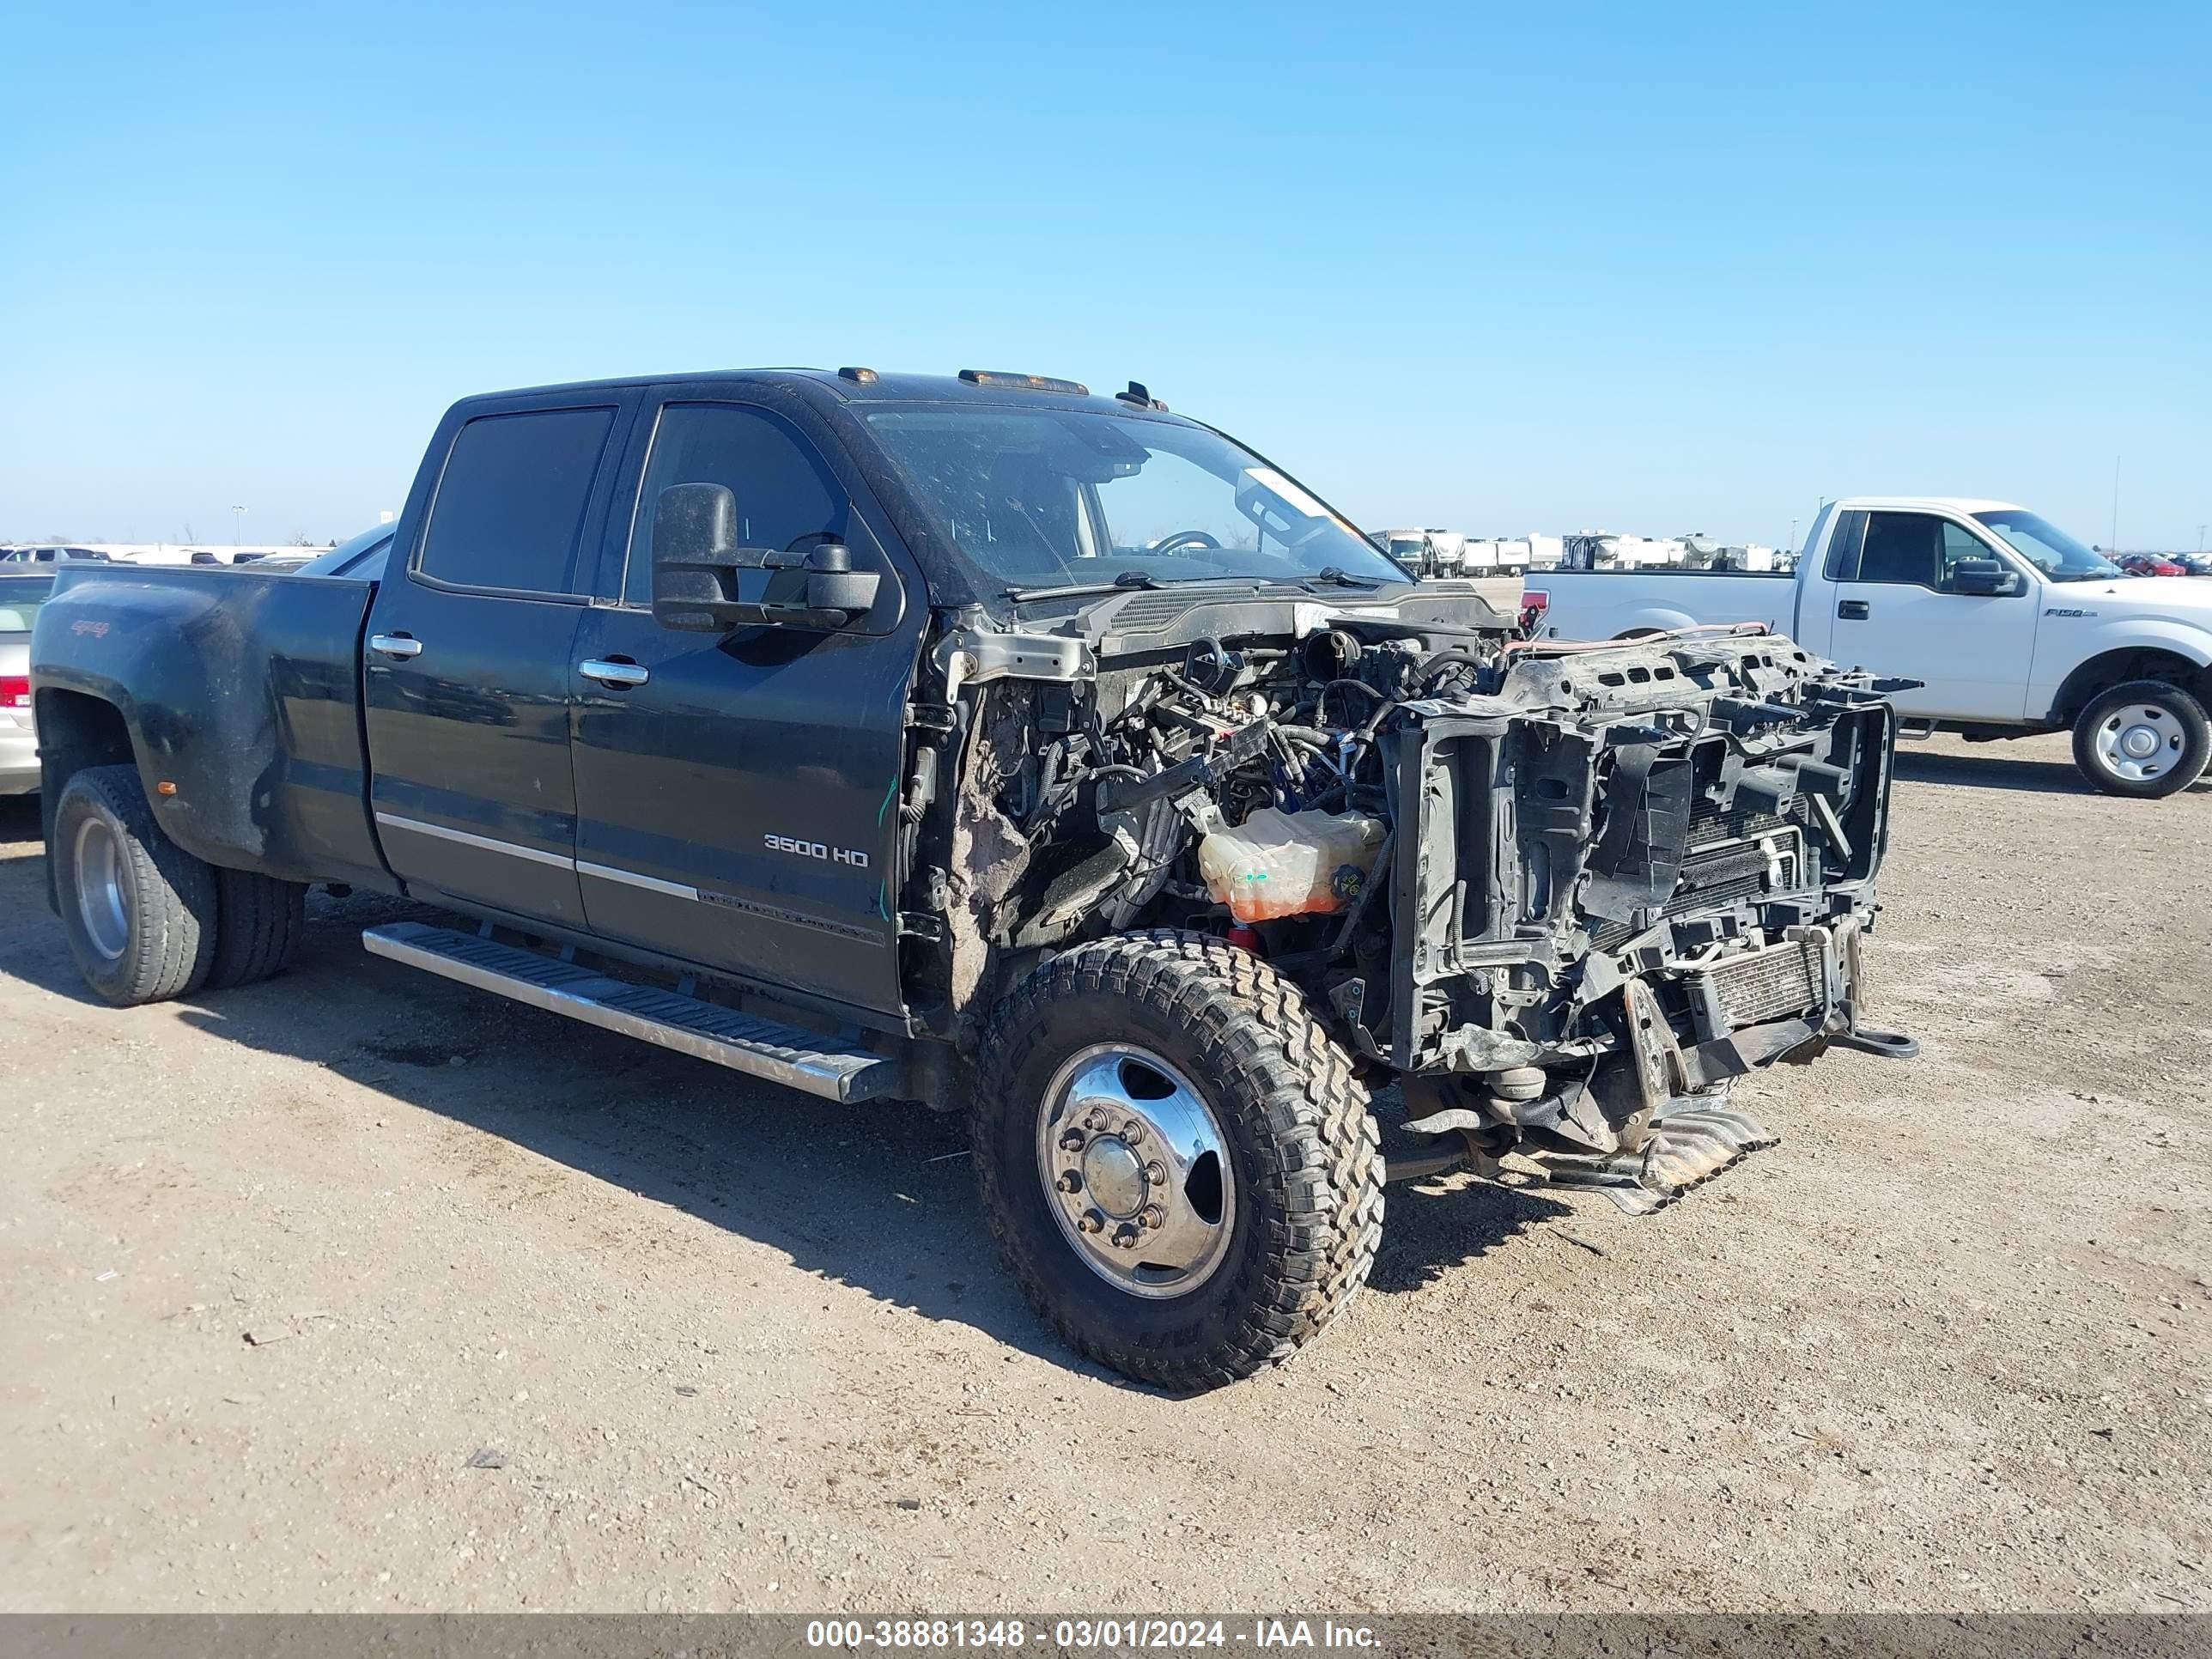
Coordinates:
(395, 645)
(613, 673)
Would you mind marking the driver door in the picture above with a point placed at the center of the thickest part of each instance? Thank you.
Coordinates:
(1897, 612)
(736, 795)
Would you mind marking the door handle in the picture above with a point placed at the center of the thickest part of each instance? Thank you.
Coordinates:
(1852, 610)
(612, 673)
(395, 645)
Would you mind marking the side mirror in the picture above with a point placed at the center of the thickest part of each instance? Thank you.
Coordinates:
(695, 557)
(1984, 578)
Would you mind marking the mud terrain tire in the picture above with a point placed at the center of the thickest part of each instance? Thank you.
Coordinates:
(1305, 1213)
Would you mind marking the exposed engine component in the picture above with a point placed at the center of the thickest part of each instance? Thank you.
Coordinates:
(1582, 889)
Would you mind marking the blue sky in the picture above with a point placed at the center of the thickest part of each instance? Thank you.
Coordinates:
(1646, 268)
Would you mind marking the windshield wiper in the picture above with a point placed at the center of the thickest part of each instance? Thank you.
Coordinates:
(1126, 580)
(1337, 576)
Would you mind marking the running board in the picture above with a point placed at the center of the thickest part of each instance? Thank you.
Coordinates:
(781, 1054)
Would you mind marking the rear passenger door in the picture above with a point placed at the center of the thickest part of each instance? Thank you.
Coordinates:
(738, 794)
(469, 661)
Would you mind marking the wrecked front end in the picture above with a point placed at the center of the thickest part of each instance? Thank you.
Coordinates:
(1565, 894)
(1622, 879)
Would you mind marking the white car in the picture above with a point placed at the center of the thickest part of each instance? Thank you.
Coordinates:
(2010, 625)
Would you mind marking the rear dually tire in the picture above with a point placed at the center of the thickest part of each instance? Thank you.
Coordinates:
(259, 922)
(138, 911)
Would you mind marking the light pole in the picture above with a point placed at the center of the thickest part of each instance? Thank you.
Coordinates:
(237, 524)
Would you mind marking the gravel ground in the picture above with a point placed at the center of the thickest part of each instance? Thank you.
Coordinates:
(354, 1290)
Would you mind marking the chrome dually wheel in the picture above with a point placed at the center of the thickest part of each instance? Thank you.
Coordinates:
(1137, 1169)
(1178, 1161)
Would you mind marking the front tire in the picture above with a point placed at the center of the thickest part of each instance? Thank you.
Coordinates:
(1180, 1167)
(2145, 738)
(139, 912)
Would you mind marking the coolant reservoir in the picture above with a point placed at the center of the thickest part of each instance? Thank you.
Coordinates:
(1290, 864)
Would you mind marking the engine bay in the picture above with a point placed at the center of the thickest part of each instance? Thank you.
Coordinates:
(1597, 877)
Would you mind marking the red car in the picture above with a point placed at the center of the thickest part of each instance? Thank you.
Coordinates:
(2146, 564)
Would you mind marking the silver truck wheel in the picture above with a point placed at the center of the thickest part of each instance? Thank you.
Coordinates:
(1137, 1170)
(2145, 738)
(139, 912)
(103, 902)
(1180, 1167)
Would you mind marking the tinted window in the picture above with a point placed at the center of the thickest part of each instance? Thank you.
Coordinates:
(20, 599)
(511, 504)
(1844, 550)
(1916, 549)
(787, 498)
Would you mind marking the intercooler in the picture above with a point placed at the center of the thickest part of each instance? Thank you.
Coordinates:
(1718, 874)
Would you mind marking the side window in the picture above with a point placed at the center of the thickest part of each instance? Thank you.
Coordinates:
(1959, 542)
(1904, 549)
(1842, 564)
(510, 504)
(787, 496)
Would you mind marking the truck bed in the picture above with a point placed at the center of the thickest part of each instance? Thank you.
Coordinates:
(241, 689)
(1609, 605)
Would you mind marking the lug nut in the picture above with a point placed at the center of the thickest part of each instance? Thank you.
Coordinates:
(1156, 1174)
(1093, 1222)
(1132, 1131)
(1071, 1141)
(1095, 1121)
(1070, 1182)
(1153, 1216)
(1125, 1236)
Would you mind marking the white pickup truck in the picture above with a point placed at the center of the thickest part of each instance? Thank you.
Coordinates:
(2011, 626)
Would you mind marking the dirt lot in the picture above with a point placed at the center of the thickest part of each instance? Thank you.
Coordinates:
(277, 1263)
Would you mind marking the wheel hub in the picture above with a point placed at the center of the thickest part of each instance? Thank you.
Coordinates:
(1136, 1171)
(1114, 1175)
(103, 902)
(2136, 742)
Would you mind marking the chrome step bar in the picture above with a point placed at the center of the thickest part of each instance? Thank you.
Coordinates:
(800, 1060)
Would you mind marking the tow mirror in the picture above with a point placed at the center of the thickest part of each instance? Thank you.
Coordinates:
(1984, 578)
(696, 559)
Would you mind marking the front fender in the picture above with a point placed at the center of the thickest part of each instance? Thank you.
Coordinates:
(2068, 638)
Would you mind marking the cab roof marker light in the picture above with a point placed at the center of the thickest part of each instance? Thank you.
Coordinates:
(1025, 382)
(1140, 397)
(859, 376)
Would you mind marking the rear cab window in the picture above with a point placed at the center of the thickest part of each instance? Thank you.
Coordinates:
(510, 504)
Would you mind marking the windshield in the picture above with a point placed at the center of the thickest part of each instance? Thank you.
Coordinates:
(2048, 548)
(1047, 498)
(20, 599)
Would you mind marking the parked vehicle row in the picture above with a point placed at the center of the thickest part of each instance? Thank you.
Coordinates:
(2009, 626)
(983, 743)
(21, 593)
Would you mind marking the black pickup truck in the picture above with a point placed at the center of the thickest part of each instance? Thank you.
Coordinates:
(1046, 757)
